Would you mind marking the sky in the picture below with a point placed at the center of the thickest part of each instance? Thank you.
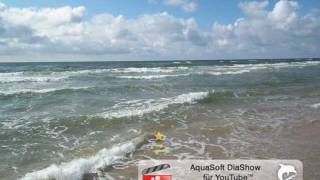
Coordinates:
(104, 30)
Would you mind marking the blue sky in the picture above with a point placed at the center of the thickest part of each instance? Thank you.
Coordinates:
(190, 29)
(208, 11)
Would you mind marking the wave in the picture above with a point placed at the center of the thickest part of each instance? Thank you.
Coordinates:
(299, 64)
(315, 106)
(80, 72)
(60, 75)
(246, 68)
(216, 96)
(44, 76)
(146, 70)
(30, 79)
(10, 74)
(153, 76)
(39, 91)
(122, 70)
(75, 169)
(278, 65)
(141, 107)
(228, 72)
(210, 70)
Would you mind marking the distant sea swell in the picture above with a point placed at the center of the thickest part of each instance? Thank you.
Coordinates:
(7, 77)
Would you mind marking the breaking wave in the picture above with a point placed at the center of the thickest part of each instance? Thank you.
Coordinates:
(315, 106)
(141, 107)
(5, 79)
(39, 91)
(145, 70)
(217, 70)
(246, 68)
(75, 169)
(228, 72)
(153, 76)
(56, 76)
(44, 76)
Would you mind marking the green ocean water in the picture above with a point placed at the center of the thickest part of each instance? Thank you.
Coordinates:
(53, 114)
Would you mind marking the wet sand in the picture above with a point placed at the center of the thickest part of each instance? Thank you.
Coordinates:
(203, 140)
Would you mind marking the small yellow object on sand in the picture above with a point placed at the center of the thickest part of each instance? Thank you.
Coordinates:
(156, 152)
(161, 146)
(158, 136)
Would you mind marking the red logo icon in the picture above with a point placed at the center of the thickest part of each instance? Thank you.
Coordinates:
(156, 177)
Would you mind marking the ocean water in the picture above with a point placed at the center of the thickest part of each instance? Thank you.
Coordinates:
(67, 120)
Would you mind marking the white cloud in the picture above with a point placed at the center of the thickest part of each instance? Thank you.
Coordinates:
(186, 5)
(48, 33)
(190, 7)
(281, 32)
(254, 9)
(64, 31)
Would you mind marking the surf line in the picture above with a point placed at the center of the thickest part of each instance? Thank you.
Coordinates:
(138, 142)
(92, 167)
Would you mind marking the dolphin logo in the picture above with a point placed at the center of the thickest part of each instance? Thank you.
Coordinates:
(286, 172)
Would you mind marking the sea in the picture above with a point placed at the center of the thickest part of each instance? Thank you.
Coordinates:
(86, 120)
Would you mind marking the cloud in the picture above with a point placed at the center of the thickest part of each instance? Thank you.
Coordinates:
(280, 32)
(48, 33)
(186, 5)
(65, 31)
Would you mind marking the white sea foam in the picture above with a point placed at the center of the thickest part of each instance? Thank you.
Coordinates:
(226, 72)
(211, 70)
(45, 76)
(153, 76)
(10, 74)
(245, 68)
(316, 106)
(80, 72)
(141, 107)
(146, 70)
(75, 169)
(39, 91)
(283, 64)
(55, 76)
(120, 70)
(8, 79)
(123, 70)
